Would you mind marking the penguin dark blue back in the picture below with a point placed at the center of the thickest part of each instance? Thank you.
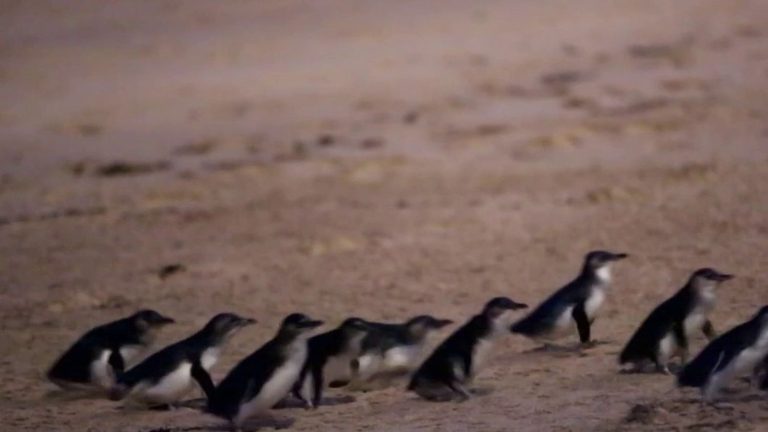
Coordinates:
(448, 371)
(575, 303)
(665, 332)
(165, 377)
(101, 354)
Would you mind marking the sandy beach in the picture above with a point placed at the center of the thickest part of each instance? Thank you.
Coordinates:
(383, 160)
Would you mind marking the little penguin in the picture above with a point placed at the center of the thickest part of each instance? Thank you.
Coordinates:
(329, 360)
(168, 375)
(577, 302)
(665, 332)
(266, 376)
(101, 354)
(734, 353)
(453, 365)
(390, 350)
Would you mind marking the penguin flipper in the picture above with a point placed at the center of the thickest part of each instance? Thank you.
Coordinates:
(203, 379)
(678, 330)
(317, 385)
(117, 362)
(709, 330)
(582, 322)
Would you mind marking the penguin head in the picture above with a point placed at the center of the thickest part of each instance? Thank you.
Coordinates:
(598, 263)
(355, 325)
(600, 258)
(298, 324)
(419, 326)
(498, 306)
(224, 325)
(709, 276)
(148, 319)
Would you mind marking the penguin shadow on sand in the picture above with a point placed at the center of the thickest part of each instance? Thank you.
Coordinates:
(73, 395)
(251, 425)
(575, 349)
(291, 402)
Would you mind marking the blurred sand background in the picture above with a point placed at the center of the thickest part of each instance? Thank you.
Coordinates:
(380, 159)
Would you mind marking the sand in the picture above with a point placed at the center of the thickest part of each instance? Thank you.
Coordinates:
(379, 159)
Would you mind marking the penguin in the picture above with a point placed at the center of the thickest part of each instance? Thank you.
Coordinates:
(734, 353)
(577, 302)
(101, 354)
(453, 365)
(166, 376)
(665, 332)
(390, 350)
(329, 360)
(266, 376)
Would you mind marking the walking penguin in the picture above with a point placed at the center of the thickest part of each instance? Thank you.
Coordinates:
(666, 331)
(266, 376)
(451, 368)
(736, 352)
(101, 354)
(168, 375)
(576, 303)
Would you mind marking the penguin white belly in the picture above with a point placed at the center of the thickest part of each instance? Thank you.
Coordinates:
(101, 371)
(209, 358)
(750, 357)
(668, 347)
(563, 325)
(274, 389)
(368, 365)
(594, 301)
(694, 322)
(402, 358)
(169, 389)
(129, 353)
(481, 354)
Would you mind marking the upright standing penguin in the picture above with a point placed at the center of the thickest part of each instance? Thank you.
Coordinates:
(730, 355)
(391, 350)
(665, 332)
(166, 376)
(577, 302)
(101, 354)
(448, 371)
(265, 377)
(329, 360)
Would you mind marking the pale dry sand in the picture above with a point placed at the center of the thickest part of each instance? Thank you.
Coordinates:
(379, 159)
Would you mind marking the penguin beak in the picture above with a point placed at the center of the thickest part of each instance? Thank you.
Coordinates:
(723, 277)
(513, 305)
(442, 323)
(516, 305)
(310, 324)
(247, 321)
(619, 256)
(163, 320)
